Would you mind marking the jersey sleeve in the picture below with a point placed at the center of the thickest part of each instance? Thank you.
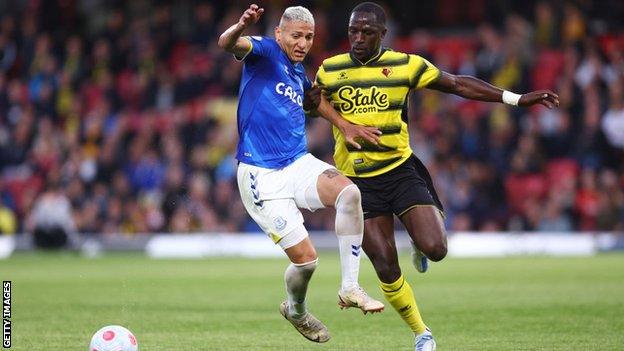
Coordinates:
(424, 72)
(260, 46)
(320, 76)
(307, 83)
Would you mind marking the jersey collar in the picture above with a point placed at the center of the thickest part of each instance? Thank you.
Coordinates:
(371, 60)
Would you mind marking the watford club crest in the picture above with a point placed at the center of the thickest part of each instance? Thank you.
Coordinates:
(386, 71)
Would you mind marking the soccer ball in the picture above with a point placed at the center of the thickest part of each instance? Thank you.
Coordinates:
(113, 338)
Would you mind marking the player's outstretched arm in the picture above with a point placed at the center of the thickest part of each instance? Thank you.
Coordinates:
(314, 100)
(231, 40)
(473, 88)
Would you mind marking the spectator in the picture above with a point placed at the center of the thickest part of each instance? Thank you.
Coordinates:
(130, 114)
(8, 223)
(51, 220)
(613, 119)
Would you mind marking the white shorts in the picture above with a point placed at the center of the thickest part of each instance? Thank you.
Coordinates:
(272, 197)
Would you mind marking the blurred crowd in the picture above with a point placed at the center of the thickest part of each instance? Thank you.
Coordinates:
(120, 117)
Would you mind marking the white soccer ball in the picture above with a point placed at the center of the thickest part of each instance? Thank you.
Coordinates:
(113, 338)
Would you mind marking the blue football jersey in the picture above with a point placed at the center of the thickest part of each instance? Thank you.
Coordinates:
(271, 121)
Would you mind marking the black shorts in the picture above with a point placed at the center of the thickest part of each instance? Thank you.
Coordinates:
(397, 190)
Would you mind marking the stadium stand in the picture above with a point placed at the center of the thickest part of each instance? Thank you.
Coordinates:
(130, 108)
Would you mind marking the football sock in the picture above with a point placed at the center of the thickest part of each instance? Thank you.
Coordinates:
(400, 295)
(349, 229)
(296, 278)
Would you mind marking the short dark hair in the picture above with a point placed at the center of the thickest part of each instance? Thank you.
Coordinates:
(371, 7)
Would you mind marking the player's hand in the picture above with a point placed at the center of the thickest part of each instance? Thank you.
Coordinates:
(544, 97)
(312, 98)
(251, 16)
(352, 132)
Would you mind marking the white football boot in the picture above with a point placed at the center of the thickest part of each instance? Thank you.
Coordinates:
(424, 341)
(308, 325)
(357, 297)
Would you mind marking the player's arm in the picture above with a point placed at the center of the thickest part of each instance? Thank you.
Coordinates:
(315, 102)
(231, 40)
(475, 89)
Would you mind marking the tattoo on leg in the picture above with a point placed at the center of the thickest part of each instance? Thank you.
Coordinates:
(331, 173)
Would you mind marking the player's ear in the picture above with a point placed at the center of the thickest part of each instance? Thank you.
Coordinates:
(278, 33)
(383, 32)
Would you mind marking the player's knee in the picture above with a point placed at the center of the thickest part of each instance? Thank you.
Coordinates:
(297, 246)
(349, 199)
(304, 257)
(436, 250)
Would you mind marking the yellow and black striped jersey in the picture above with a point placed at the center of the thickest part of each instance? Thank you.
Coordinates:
(374, 93)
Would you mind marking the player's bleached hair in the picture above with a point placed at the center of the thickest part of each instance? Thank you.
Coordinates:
(298, 14)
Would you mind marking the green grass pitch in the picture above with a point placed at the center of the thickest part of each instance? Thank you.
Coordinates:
(529, 303)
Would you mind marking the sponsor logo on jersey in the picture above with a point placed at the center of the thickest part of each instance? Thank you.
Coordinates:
(359, 100)
(288, 91)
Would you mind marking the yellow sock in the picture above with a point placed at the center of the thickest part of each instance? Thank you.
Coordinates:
(400, 295)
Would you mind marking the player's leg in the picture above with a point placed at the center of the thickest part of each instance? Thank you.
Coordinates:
(379, 245)
(336, 190)
(426, 230)
(320, 185)
(416, 203)
(380, 197)
(303, 260)
(282, 221)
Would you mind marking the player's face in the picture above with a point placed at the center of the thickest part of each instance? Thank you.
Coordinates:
(365, 35)
(295, 38)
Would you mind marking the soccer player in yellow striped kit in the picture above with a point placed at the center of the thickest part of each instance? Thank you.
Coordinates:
(370, 86)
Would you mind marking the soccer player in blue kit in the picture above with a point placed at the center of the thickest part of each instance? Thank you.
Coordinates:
(277, 176)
